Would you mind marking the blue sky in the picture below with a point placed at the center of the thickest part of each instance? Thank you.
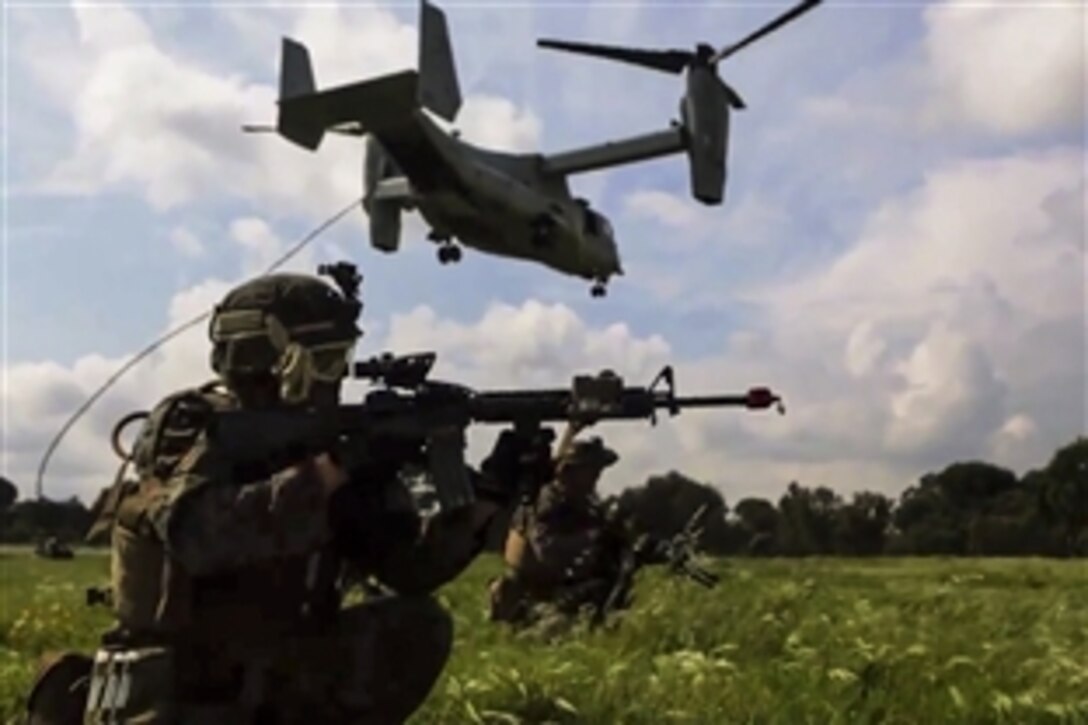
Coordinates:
(130, 188)
(128, 237)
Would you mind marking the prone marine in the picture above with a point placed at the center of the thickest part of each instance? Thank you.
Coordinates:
(563, 548)
(567, 552)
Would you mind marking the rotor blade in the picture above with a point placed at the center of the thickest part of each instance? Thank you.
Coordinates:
(731, 96)
(346, 130)
(669, 61)
(770, 27)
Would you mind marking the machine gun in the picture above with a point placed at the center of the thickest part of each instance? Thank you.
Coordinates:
(677, 553)
(680, 551)
(409, 418)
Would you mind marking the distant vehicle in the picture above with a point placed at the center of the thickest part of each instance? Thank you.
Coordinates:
(512, 205)
(53, 548)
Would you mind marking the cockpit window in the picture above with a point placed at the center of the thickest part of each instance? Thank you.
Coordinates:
(590, 219)
(606, 228)
(595, 224)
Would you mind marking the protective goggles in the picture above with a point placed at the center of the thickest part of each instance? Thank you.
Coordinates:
(326, 363)
(256, 341)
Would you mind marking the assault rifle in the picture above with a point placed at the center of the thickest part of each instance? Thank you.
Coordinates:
(406, 417)
(677, 553)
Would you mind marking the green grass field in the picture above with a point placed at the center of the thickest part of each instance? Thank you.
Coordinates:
(799, 641)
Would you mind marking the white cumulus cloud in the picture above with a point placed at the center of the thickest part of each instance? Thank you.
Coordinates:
(665, 208)
(42, 395)
(950, 324)
(499, 124)
(167, 126)
(1007, 68)
(187, 243)
(949, 394)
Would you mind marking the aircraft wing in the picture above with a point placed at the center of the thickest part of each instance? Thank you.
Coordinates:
(615, 153)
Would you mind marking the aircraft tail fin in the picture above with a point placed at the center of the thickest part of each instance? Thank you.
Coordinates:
(296, 71)
(305, 113)
(439, 90)
(297, 81)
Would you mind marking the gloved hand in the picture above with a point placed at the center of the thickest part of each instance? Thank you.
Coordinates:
(517, 461)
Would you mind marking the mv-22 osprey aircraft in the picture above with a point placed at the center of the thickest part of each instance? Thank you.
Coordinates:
(512, 205)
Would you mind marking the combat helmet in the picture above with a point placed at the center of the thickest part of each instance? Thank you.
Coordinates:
(591, 453)
(294, 327)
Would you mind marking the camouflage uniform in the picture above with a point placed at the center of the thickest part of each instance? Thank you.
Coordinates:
(563, 548)
(226, 582)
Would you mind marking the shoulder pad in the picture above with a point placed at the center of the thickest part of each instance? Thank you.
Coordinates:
(172, 428)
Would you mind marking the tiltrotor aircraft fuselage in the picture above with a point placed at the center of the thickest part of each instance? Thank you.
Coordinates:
(512, 205)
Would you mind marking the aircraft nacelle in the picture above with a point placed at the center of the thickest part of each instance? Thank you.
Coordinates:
(377, 165)
(384, 190)
(704, 111)
(384, 224)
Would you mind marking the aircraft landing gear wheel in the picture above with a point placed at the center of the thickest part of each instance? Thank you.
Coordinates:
(449, 254)
(598, 290)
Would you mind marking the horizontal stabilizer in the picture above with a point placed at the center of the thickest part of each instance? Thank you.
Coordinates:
(367, 104)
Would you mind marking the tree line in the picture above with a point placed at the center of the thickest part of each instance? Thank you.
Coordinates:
(29, 521)
(970, 508)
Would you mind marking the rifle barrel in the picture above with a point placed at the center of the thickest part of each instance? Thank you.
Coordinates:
(712, 401)
(754, 399)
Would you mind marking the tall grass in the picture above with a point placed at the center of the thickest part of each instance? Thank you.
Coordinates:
(797, 641)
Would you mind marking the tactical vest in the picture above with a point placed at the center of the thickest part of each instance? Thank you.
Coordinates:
(192, 640)
(169, 432)
(154, 599)
(149, 595)
(542, 576)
